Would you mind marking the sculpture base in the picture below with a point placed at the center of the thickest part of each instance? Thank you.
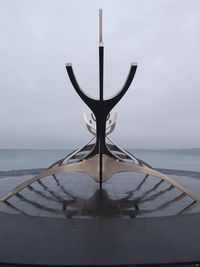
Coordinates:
(57, 242)
(112, 240)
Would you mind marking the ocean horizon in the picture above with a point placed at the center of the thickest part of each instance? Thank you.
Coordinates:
(171, 158)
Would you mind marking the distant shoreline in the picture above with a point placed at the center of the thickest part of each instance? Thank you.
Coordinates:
(128, 148)
(14, 173)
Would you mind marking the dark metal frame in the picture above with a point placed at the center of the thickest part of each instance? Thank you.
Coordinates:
(100, 107)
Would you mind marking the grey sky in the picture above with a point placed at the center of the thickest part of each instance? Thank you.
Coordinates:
(38, 106)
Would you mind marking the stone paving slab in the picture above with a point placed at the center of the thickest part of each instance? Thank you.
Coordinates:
(51, 241)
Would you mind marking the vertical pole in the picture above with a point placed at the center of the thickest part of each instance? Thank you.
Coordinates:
(101, 135)
(100, 26)
(101, 55)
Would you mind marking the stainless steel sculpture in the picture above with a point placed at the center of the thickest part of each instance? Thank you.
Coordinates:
(100, 158)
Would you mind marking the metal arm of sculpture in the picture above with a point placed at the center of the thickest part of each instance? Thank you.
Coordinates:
(100, 107)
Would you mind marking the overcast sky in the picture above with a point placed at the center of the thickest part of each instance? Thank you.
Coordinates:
(40, 109)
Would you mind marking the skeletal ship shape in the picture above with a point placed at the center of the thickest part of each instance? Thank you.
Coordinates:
(100, 157)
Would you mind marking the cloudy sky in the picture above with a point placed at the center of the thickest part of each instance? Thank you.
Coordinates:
(40, 109)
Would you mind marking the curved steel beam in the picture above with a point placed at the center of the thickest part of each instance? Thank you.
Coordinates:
(94, 104)
(87, 99)
(89, 167)
(116, 98)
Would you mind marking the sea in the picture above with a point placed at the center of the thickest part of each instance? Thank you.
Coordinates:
(177, 159)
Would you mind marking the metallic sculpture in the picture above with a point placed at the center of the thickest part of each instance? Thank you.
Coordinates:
(136, 202)
(100, 158)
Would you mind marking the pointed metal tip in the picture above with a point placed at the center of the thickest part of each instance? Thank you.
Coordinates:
(100, 26)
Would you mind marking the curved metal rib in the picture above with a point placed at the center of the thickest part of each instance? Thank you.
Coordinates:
(87, 99)
(124, 167)
(110, 126)
(69, 156)
(128, 154)
(92, 102)
(88, 167)
(116, 98)
(60, 169)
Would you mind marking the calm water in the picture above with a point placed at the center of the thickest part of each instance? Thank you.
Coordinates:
(179, 159)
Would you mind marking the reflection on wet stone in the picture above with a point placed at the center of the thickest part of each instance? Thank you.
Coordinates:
(77, 196)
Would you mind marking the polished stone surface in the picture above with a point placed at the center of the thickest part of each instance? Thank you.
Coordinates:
(125, 195)
(99, 242)
(45, 238)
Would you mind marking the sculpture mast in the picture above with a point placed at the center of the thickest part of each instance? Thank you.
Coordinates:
(100, 107)
(101, 63)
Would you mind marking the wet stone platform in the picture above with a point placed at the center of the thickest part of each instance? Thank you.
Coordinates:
(75, 195)
(63, 226)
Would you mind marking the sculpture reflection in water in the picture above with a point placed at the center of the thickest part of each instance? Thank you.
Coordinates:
(100, 158)
(149, 197)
